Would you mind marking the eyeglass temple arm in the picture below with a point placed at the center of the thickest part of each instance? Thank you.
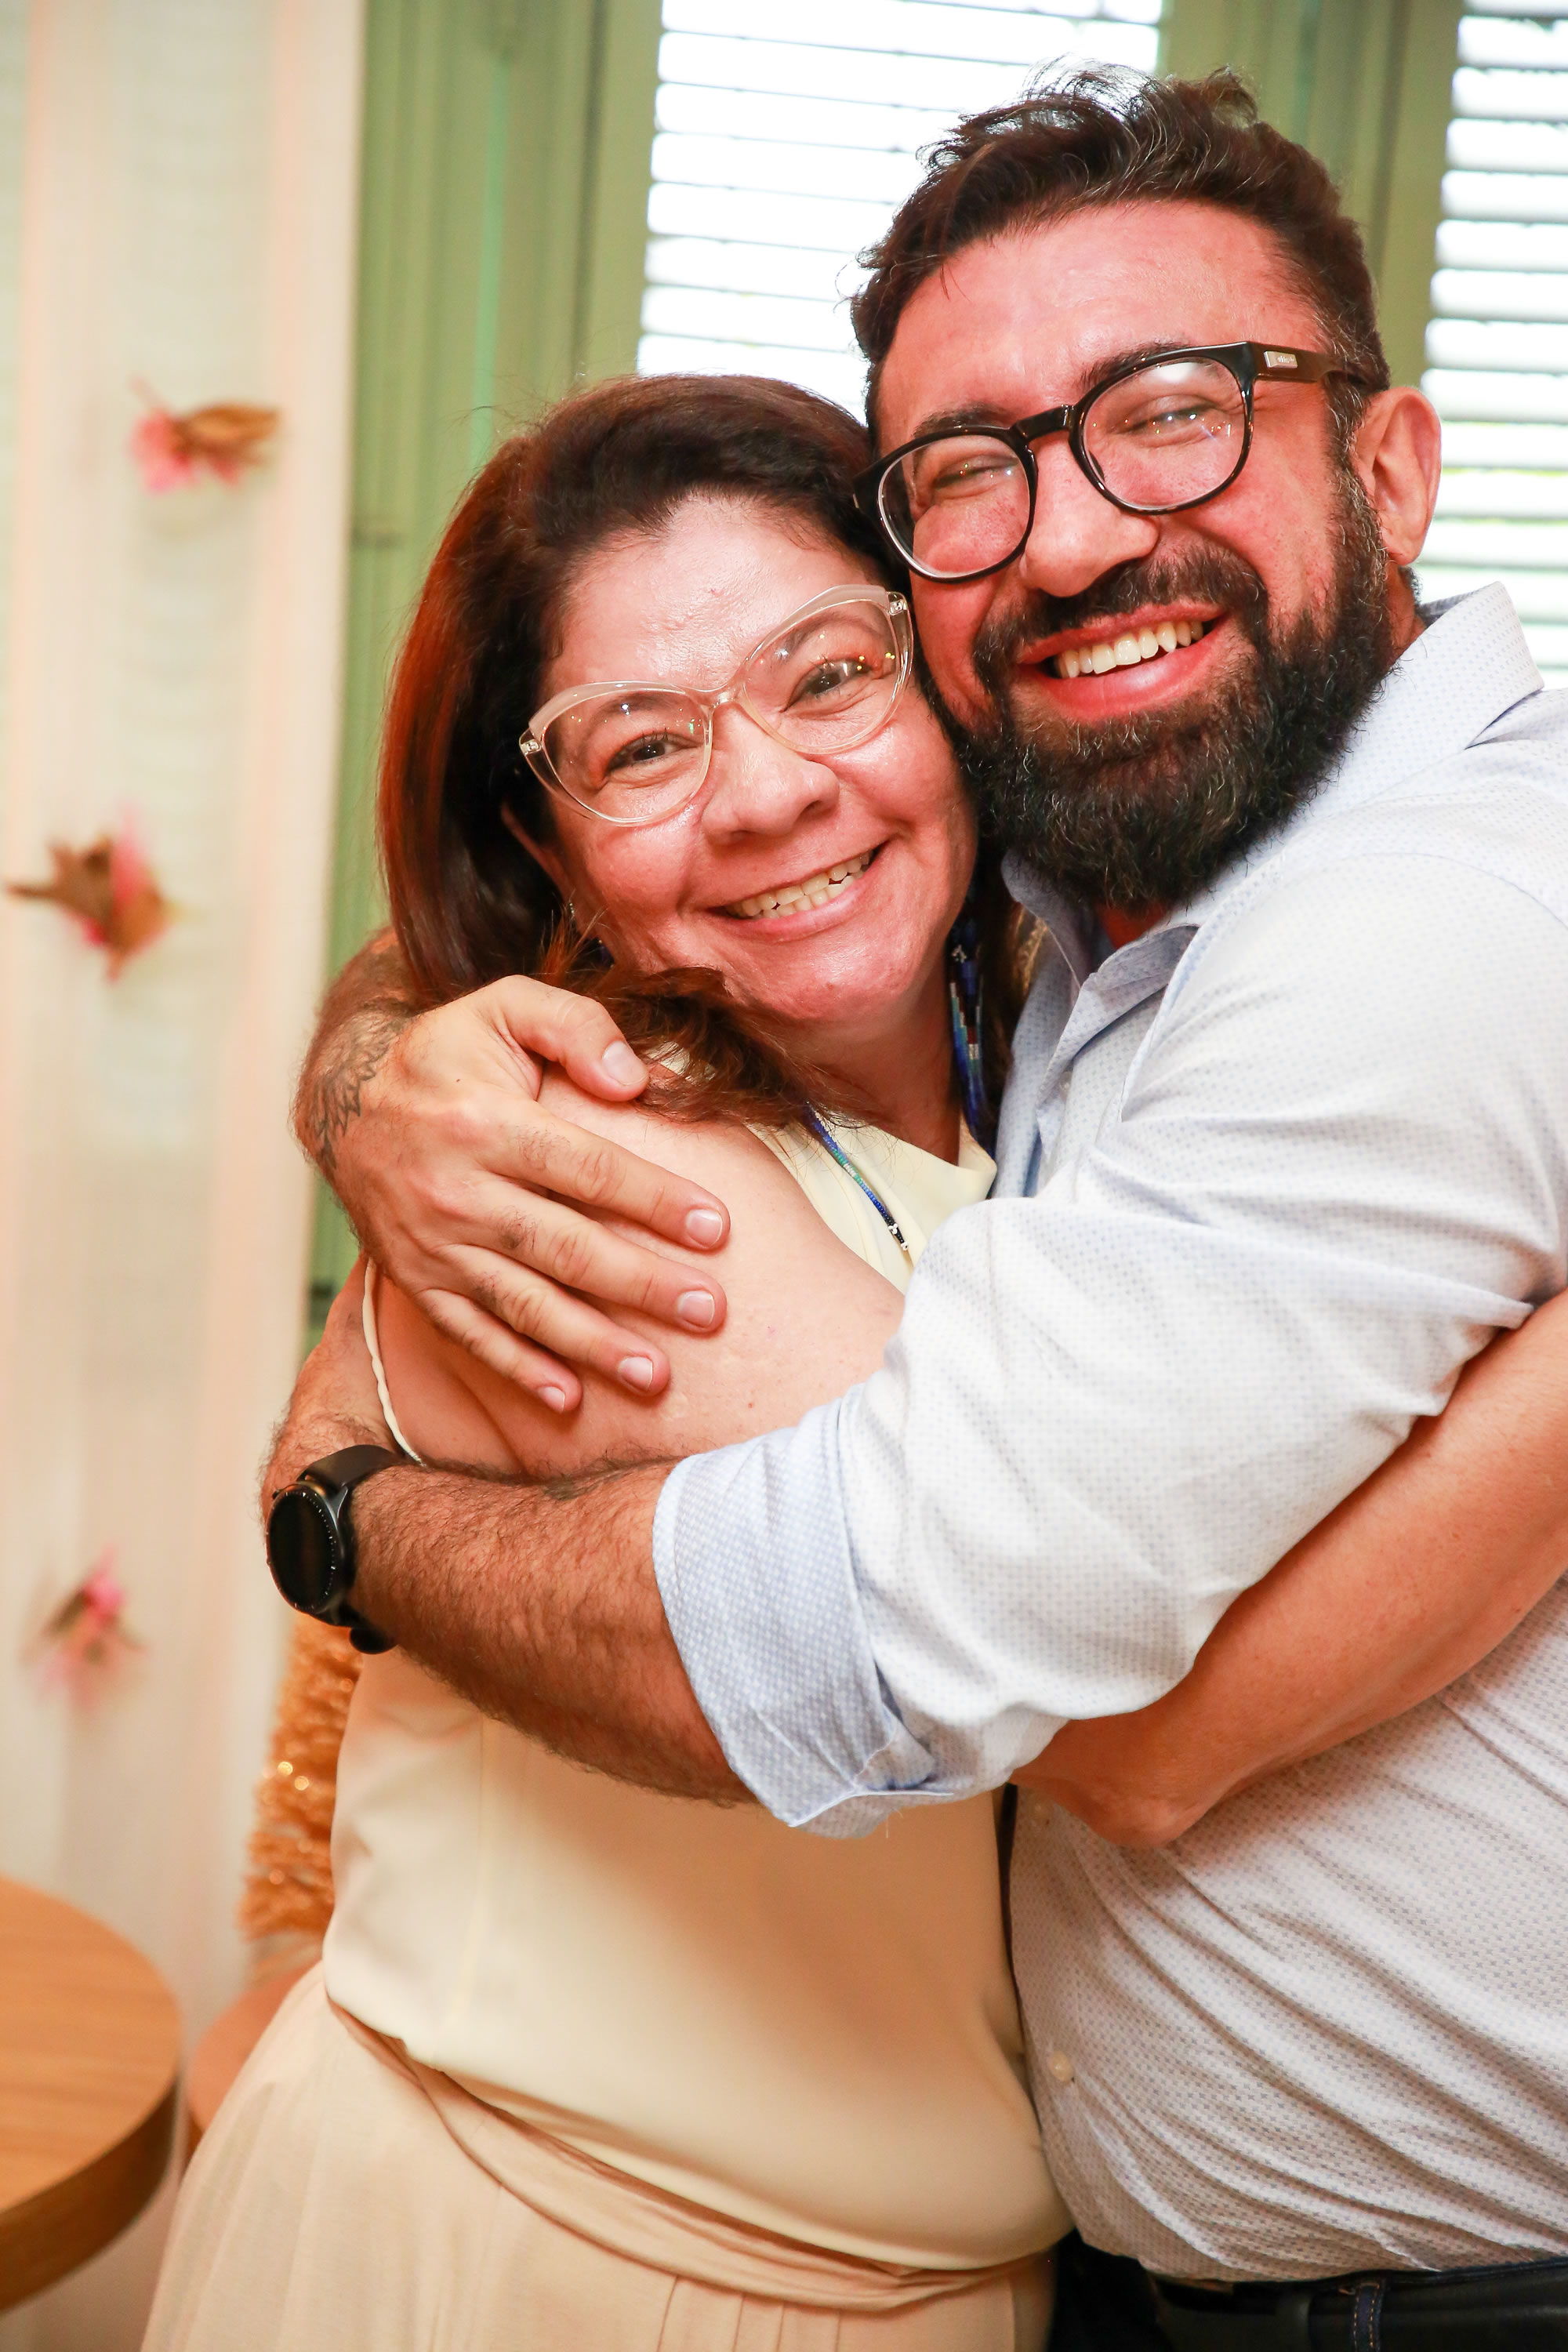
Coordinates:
(1273, 362)
(1277, 364)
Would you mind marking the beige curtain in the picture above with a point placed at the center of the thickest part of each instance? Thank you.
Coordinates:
(177, 199)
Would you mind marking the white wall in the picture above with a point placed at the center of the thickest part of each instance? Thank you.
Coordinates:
(181, 211)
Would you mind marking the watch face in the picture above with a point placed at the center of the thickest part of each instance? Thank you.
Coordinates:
(303, 1550)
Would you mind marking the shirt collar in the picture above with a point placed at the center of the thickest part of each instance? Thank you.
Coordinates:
(1469, 665)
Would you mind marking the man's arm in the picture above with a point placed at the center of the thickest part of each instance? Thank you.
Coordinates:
(1416, 1576)
(429, 1129)
(541, 1605)
(538, 1601)
(363, 1014)
(1110, 1409)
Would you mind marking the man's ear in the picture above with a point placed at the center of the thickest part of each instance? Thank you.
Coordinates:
(1397, 453)
(543, 853)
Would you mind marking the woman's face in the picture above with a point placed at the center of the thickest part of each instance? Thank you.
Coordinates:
(685, 606)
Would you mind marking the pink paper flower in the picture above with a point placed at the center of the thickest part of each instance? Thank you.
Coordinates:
(224, 439)
(164, 464)
(86, 1637)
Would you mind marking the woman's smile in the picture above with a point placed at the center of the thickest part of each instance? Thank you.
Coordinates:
(777, 904)
(822, 881)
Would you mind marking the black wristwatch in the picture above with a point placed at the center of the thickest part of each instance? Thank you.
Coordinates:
(310, 1544)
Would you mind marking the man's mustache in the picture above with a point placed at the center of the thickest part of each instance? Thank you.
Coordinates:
(1212, 576)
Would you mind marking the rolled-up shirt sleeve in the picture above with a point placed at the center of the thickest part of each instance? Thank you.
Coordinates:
(1336, 1168)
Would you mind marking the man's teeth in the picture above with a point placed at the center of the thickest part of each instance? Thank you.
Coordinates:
(1120, 653)
(816, 891)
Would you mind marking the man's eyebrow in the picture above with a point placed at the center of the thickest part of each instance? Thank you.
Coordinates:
(979, 415)
(961, 420)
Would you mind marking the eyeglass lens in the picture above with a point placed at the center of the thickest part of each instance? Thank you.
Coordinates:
(821, 684)
(1170, 433)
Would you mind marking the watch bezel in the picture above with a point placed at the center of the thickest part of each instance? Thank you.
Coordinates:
(306, 1494)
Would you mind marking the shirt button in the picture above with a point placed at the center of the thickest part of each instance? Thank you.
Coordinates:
(1061, 2066)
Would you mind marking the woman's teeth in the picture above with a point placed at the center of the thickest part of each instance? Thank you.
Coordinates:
(1120, 653)
(816, 891)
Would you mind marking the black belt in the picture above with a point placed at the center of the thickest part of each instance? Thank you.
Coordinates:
(1509, 2307)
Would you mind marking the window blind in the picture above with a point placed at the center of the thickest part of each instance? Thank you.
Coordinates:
(1497, 342)
(786, 137)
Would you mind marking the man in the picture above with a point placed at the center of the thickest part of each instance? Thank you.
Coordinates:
(1285, 1142)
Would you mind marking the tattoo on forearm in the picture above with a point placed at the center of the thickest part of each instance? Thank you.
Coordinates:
(366, 1010)
(337, 1096)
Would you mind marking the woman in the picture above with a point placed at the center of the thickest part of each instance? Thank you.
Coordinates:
(589, 2066)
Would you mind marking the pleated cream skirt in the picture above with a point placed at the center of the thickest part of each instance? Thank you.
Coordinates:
(330, 2207)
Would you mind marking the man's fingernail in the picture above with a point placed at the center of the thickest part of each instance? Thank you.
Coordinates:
(636, 1372)
(619, 1062)
(554, 1398)
(696, 1307)
(704, 1226)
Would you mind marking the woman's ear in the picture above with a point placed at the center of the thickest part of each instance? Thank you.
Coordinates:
(543, 853)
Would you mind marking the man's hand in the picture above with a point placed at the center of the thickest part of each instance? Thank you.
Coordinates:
(459, 1182)
(334, 1401)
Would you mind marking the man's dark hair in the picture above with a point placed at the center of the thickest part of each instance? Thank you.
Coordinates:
(1105, 136)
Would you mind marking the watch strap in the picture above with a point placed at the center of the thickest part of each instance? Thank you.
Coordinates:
(345, 1468)
(338, 1473)
(333, 1480)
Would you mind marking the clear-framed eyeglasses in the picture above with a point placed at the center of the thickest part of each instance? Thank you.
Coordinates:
(1156, 437)
(826, 680)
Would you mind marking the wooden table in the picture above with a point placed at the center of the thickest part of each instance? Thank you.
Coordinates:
(90, 2060)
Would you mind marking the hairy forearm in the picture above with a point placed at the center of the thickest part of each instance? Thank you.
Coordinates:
(540, 1605)
(363, 1014)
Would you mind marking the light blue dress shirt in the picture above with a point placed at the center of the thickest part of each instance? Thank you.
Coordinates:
(1270, 1176)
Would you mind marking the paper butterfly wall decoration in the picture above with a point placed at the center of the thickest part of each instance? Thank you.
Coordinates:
(226, 438)
(85, 1636)
(108, 890)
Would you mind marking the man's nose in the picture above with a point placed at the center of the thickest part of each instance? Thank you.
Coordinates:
(1078, 535)
(760, 785)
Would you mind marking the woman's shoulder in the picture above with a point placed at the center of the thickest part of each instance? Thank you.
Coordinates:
(704, 1149)
(804, 1320)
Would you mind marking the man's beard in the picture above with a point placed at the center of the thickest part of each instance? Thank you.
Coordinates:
(1139, 813)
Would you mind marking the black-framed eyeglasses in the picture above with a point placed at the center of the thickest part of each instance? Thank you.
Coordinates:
(1156, 437)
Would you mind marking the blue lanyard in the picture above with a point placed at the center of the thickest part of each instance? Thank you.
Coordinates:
(963, 997)
(965, 1001)
(830, 1146)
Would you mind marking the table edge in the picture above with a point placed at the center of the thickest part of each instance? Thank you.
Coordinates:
(71, 2220)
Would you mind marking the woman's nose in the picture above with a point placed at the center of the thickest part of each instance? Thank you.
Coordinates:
(1078, 535)
(760, 785)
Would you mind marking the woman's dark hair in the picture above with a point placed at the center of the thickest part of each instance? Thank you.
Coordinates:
(468, 903)
(1104, 136)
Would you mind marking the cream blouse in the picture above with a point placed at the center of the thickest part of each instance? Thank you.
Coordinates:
(812, 2036)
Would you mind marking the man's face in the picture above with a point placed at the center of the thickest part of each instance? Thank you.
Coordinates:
(1277, 569)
